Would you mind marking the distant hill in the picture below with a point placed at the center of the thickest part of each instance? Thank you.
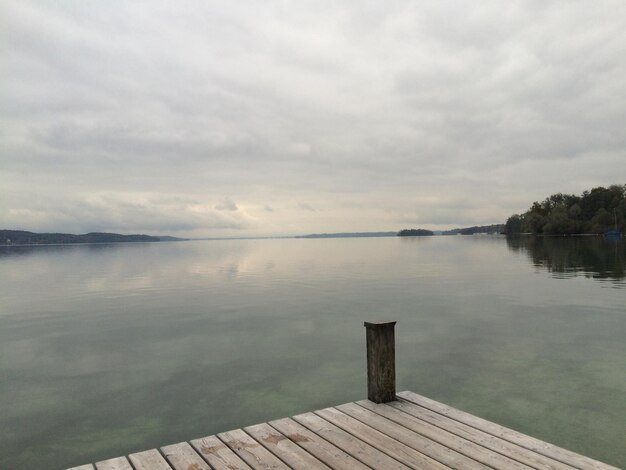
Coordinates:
(21, 237)
(415, 232)
(494, 228)
(348, 235)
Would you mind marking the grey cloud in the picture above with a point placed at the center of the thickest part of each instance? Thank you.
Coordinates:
(226, 204)
(370, 111)
(117, 213)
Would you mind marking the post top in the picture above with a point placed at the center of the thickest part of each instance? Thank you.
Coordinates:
(381, 324)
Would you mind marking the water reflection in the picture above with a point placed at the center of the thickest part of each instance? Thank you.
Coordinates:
(593, 257)
(7, 251)
(112, 349)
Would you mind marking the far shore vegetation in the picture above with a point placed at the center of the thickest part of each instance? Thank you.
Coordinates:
(596, 211)
(476, 229)
(22, 237)
(415, 232)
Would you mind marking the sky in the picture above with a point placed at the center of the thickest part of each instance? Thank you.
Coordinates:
(247, 118)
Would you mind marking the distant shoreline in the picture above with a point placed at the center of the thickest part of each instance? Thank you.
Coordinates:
(307, 237)
(75, 243)
(25, 238)
(349, 235)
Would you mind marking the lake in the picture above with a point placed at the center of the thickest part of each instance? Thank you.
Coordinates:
(112, 349)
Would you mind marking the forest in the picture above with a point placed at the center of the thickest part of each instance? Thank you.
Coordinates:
(595, 211)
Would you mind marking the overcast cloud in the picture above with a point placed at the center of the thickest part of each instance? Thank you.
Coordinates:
(256, 118)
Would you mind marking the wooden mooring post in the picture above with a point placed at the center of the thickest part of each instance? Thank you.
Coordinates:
(381, 361)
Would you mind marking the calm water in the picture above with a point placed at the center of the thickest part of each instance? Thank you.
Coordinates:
(111, 349)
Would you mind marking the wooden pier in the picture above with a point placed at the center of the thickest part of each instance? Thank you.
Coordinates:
(388, 431)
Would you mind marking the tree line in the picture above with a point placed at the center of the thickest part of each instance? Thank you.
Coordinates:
(415, 232)
(21, 237)
(493, 229)
(595, 211)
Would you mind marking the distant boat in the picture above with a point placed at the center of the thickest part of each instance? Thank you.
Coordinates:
(613, 234)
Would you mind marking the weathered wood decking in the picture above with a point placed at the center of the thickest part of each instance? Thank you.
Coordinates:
(410, 432)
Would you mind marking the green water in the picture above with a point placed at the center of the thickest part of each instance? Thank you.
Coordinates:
(112, 349)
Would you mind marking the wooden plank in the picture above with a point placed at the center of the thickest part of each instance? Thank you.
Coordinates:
(478, 449)
(531, 443)
(217, 454)
(355, 447)
(430, 448)
(254, 454)
(148, 460)
(328, 453)
(118, 463)
(288, 451)
(411, 432)
(182, 456)
(393, 448)
(513, 451)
